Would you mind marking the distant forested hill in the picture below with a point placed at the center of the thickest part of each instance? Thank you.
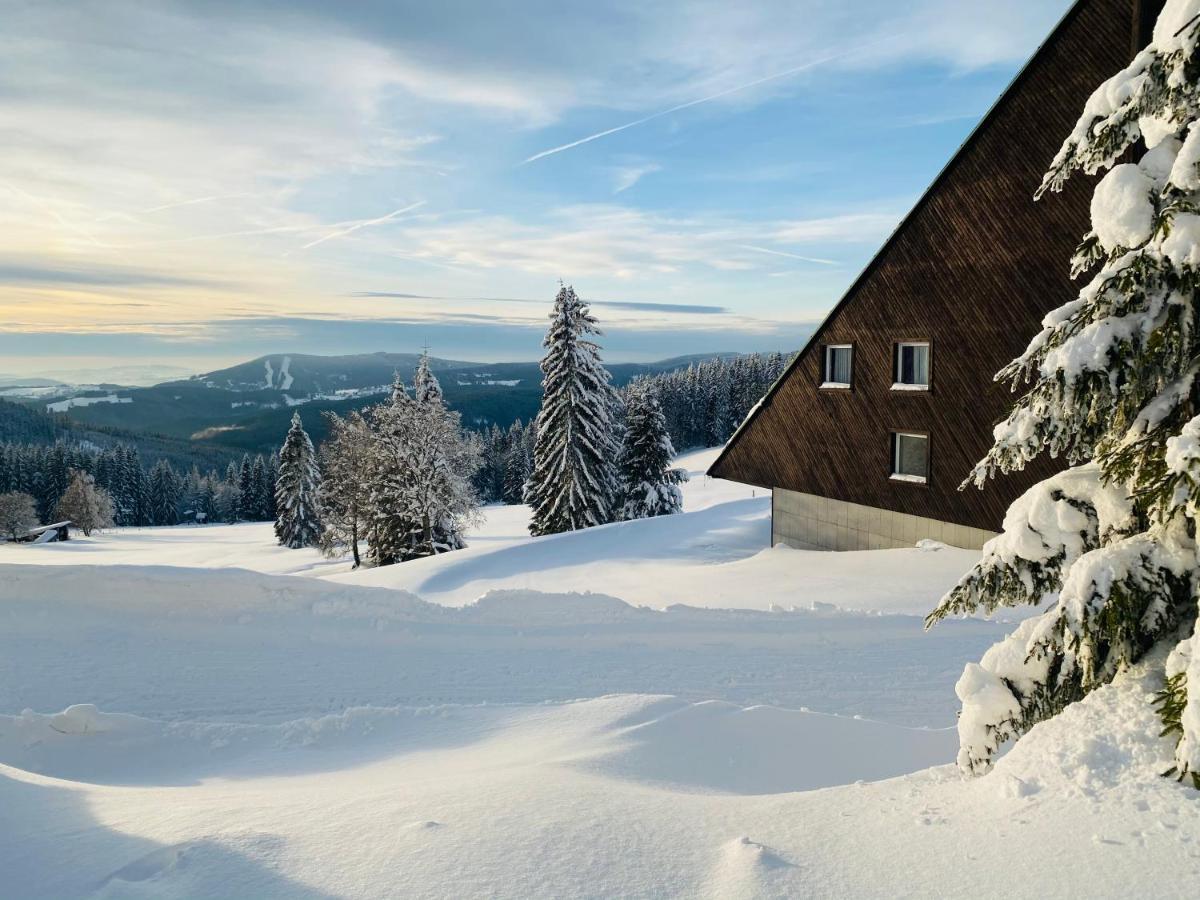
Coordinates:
(23, 424)
(247, 407)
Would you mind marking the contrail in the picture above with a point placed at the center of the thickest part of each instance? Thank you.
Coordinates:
(193, 202)
(811, 259)
(132, 217)
(717, 96)
(342, 232)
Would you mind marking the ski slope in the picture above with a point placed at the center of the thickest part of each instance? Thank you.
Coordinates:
(660, 708)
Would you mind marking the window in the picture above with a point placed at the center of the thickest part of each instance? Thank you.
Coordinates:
(910, 457)
(838, 365)
(912, 367)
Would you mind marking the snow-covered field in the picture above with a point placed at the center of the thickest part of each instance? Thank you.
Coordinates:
(717, 555)
(713, 719)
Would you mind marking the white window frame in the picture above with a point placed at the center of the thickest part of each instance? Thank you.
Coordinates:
(825, 367)
(898, 365)
(897, 475)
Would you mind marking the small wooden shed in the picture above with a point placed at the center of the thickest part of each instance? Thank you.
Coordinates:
(47, 534)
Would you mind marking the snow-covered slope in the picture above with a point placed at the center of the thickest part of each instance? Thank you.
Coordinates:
(194, 712)
(631, 796)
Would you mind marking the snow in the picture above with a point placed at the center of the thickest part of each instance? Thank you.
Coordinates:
(654, 708)
(1122, 213)
(1182, 245)
(716, 554)
(285, 374)
(63, 405)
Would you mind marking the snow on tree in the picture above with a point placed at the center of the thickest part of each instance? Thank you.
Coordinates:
(574, 481)
(345, 492)
(1112, 540)
(18, 513)
(426, 387)
(298, 524)
(650, 487)
(423, 463)
(89, 507)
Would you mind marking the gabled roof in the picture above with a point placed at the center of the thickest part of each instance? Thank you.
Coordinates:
(1144, 13)
(43, 528)
(972, 268)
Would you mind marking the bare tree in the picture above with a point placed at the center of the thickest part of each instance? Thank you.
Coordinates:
(345, 492)
(88, 506)
(18, 513)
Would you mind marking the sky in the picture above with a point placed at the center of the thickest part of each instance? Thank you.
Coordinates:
(195, 184)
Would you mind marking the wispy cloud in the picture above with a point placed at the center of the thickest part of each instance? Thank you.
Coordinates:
(848, 228)
(679, 308)
(626, 177)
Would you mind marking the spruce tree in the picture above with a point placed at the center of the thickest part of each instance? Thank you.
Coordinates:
(426, 387)
(1111, 542)
(423, 464)
(650, 487)
(262, 490)
(248, 510)
(297, 524)
(574, 480)
(165, 494)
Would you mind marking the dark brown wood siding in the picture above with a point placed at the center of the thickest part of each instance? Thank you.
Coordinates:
(973, 269)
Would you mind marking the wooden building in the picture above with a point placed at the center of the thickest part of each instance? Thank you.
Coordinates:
(47, 534)
(866, 437)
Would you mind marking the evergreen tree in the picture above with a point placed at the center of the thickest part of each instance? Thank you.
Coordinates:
(518, 462)
(297, 524)
(248, 506)
(650, 487)
(262, 489)
(423, 464)
(426, 387)
(574, 480)
(1115, 391)
(165, 492)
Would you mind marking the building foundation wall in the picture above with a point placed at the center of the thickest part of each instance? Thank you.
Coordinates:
(807, 521)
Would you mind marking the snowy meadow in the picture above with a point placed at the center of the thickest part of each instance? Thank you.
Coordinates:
(652, 708)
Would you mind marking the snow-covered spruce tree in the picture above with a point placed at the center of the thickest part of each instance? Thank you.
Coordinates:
(1115, 391)
(426, 387)
(298, 523)
(422, 465)
(574, 481)
(650, 487)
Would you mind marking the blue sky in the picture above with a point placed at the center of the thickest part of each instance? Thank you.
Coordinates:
(197, 183)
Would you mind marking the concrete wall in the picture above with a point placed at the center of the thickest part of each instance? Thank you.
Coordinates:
(805, 520)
